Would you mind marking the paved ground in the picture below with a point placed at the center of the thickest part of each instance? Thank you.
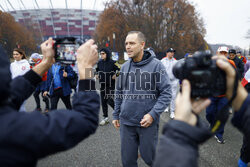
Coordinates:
(103, 149)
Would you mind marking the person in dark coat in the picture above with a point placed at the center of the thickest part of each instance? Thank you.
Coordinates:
(27, 137)
(106, 69)
(181, 137)
(239, 64)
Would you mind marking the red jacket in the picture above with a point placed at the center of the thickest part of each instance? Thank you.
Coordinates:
(44, 78)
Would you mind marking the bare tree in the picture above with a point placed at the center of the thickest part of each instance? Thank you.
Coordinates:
(166, 23)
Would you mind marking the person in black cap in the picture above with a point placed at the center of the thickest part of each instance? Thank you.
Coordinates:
(27, 137)
(171, 50)
(169, 61)
(241, 57)
(106, 70)
(239, 64)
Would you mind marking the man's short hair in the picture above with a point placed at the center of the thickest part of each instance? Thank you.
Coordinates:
(140, 35)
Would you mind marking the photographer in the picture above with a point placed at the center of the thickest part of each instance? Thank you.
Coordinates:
(181, 137)
(26, 137)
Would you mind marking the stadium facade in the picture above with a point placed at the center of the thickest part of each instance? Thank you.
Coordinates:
(60, 22)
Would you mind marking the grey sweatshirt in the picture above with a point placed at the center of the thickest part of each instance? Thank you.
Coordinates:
(142, 87)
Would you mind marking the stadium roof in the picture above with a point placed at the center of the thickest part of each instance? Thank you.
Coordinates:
(13, 5)
(57, 17)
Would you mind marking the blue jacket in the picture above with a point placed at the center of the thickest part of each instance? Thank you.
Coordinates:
(179, 143)
(42, 86)
(65, 81)
(27, 137)
(142, 88)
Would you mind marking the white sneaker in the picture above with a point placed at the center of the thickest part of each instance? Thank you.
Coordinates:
(172, 115)
(104, 121)
(166, 110)
(230, 111)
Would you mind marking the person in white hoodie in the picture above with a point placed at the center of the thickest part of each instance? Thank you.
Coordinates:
(169, 61)
(19, 67)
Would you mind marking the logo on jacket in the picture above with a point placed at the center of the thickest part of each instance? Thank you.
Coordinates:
(23, 68)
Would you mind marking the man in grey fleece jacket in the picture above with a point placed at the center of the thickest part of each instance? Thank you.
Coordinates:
(143, 91)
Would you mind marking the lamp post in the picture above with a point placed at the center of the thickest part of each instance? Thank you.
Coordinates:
(107, 44)
(113, 41)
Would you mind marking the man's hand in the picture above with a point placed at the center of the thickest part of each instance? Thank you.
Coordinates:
(223, 64)
(146, 121)
(48, 57)
(116, 124)
(45, 93)
(184, 105)
(113, 77)
(48, 51)
(87, 56)
(65, 74)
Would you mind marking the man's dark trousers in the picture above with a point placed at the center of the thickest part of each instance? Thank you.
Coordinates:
(132, 138)
(58, 93)
(107, 97)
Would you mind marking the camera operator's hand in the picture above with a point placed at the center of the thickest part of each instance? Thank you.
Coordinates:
(185, 106)
(87, 56)
(48, 57)
(223, 63)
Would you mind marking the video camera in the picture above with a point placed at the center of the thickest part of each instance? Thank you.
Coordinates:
(66, 49)
(205, 77)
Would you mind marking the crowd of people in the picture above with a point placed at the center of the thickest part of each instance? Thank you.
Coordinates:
(138, 92)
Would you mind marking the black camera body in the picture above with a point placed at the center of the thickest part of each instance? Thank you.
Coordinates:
(66, 49)
(205, 77)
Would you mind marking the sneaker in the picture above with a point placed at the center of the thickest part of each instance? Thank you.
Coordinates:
(166, 110)
(219, 139)
(230, 111)
(104, 121)
(241, 163)
(172, 115)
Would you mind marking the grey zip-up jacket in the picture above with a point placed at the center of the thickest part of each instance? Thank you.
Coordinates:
(142, 87)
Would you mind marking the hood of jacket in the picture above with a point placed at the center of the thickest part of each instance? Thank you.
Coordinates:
(108, 53)
(148, 56)
(5, 77)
